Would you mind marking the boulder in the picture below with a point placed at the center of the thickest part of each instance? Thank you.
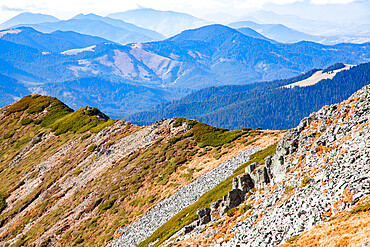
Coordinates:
(204, 215)
(243, 182)
(231, 200)
(249, 169)
(260, 177)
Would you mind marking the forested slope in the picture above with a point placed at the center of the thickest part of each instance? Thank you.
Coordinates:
(265, 105)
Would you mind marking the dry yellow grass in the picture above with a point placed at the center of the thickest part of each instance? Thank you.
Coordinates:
(343, 230)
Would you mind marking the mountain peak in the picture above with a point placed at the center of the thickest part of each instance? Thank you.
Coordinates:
(167, 23)
(28, 18)
(206, 33)
(90, 15)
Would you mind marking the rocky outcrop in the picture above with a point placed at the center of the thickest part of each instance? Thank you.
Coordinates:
(320, 168)
(204, 218)
(240, 186)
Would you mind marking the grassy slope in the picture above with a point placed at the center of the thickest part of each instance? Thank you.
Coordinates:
(118, 196)
(25, 124)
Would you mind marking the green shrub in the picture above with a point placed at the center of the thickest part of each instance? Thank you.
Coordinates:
(245, 208)
(232, 212)
(61, 230)
(217, 156)
(85, 136)
(192, 153)
(137, 202)
(37, 121)
(174, 139)
(359, 208)
(36, 140)
(26, 121)
(45, 242)
(305, 181)
(107, 205)
(246, 129)
(79, 240)
(176, 161)
(178, 122)
(21, 142)
(91, 148)
(102, 126)
(217, 223)
(20, 105)
(151, 199)
(188, 134)
(163, 180)
(292, 239)
(183, 144)
(3, 204)
(288, 189)
(9, 135)
(229, 145)
(37, 103)
(251, 142)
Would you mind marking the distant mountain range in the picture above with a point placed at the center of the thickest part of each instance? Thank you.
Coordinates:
(167, 23)
(56, 41)
(104, 27)
(209, 56)
(271, 17)
(276, 32)
(322, 31)
(267, 105)
(285, 34)
(254, 34)
(27, 18)
(122, 24)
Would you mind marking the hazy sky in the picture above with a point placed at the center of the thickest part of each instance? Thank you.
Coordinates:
(65, 9)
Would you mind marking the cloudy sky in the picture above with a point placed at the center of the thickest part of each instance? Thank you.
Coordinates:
(65, 9)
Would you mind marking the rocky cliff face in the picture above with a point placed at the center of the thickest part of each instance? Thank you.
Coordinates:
(320, 168)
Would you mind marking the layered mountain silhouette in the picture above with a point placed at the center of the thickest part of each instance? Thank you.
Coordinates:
(276, 32)
(27, 18)
(213, 55)
(95, 25)
(266, 104)
(57, 41)
(254, 34)
(167, 23)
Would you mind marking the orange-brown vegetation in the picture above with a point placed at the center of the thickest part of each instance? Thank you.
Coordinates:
(344, 230)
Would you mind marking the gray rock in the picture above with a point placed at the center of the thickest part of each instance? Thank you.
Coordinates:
(204, 215)
(249, 169)
(260, 177)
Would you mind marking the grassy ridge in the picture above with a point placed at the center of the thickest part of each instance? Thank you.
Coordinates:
(207, 135)
(188, 215)
(81, 121)
(119, 195)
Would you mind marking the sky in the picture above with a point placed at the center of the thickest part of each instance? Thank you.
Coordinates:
(64, 9)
